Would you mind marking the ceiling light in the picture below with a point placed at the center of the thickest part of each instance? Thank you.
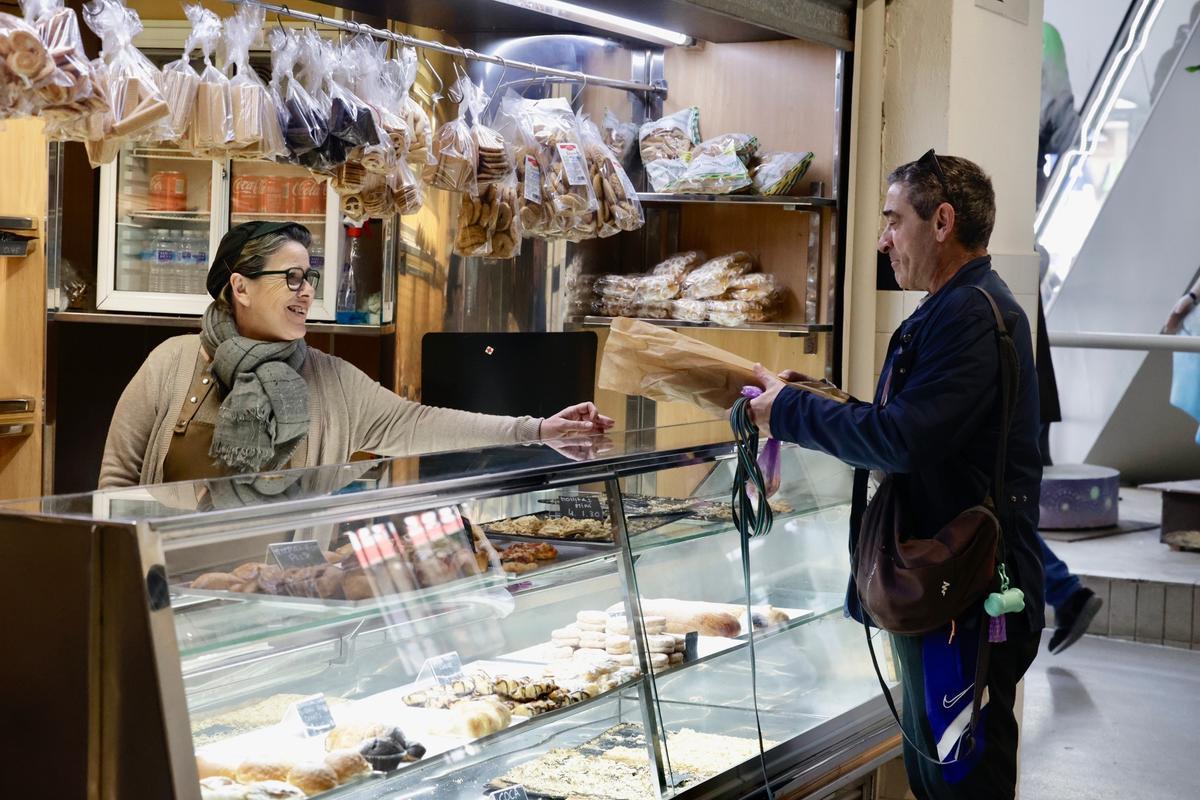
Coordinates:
(605, 21)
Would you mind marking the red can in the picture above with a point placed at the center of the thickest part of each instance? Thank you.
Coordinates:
(293, 191)
(246, 196)
(168, 191)
(274, 195)
(309, 196)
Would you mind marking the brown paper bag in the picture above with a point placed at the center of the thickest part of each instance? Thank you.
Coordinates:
(665, 365)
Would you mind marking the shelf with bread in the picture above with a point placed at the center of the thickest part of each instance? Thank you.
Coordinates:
(790, 203)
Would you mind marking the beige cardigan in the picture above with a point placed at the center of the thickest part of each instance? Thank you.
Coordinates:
(349, 413)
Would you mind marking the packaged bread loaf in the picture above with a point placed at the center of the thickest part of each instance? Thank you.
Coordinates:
(732, 313)
(643, 288)
(136, 102)
(689, 310)
(756, 287)
(180, 80)
(679, 265)
(712, 278)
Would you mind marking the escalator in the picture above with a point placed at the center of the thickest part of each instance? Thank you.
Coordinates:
(1119, 220)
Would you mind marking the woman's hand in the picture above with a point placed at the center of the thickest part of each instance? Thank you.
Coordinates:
(583, 418)
(1182, 308)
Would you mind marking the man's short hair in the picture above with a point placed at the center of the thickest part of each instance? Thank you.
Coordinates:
(967, 188)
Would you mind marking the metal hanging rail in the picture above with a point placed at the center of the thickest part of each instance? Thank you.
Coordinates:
(411, 41)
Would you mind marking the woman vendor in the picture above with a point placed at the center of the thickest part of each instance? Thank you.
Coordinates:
(249, 395)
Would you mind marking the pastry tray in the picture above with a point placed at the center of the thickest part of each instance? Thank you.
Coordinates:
(637, 524)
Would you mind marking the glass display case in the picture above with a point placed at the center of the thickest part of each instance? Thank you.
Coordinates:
(455, 625)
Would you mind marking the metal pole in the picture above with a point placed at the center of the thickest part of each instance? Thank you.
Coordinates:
(411, 41)
(1125, 341)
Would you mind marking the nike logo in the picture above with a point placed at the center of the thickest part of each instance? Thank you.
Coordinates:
(948, 702)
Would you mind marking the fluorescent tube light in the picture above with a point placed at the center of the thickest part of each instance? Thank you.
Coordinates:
(604, 20)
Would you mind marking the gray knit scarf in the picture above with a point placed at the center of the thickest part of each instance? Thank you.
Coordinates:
(265, 414)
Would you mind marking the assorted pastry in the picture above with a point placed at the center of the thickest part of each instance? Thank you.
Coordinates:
(609, 636)
(527, 556)
(551, 527)
(472, 700)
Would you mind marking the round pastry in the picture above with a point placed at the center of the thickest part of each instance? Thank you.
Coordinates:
(592, 618)
(348, 736)
(312, 778)
(661, 643)
(221, 788)
(653, 624)
(248, 572)
(626, 660)
(347, 765)
(590, 652)
(593, 639)
(382, 754)
(680, 641)
(589, 627)
(415, 752)
(618, 626)
(209, 768)
(659, 659)
(675, 658)
(617, 645)
(561, 653)
(568, 631)
(253, 770)
(565, 639)
(273, 790)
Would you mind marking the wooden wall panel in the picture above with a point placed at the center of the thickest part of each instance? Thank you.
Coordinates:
(23, 192)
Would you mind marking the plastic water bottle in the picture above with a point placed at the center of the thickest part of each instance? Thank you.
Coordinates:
(184, 261)
(347, 294)
(200, 268)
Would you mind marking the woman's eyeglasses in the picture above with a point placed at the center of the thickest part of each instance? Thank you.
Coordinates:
(295, 277)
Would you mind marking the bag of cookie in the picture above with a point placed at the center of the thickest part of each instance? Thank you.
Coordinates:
(722, 173)
(68, 95)
(506, 233)
(778, 173)
(712, 279)
(300, 119)
(535, 210)
(138, 110)
(455, 154)
(405, 188)
(744, 145)
(679, 265)
(402, 71)
(351, 121)
(476, 221)
(365, 57)
(618, 208)
(671, 136)
(25, 65)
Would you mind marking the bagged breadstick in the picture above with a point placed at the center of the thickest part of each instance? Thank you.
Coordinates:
(256, 131)
(454, 149)
(138, 110)
(300, 119)
(180, 81)
(212, 120)
(25, 65)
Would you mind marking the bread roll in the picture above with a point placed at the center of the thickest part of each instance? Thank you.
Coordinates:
(347, 765)
(254, 770)
(221, 581)
(356, 586)
(312, 778)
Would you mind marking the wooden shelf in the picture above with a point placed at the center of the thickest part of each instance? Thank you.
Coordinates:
(785, 328)
(788, 203)
(193, 323)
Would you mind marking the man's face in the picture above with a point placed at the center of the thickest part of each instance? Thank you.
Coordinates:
(909, 241)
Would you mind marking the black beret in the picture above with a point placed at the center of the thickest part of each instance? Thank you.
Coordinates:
(230, 250)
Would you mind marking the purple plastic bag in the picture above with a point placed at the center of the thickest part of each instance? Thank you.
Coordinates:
(768, 457)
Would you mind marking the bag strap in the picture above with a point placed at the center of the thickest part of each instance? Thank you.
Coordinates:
(1009, 374)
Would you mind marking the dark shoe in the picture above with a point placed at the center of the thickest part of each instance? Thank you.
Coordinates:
(1072, 620)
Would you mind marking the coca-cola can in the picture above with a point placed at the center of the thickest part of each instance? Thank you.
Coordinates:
(247, 197)
(274, 195)
(310, 196)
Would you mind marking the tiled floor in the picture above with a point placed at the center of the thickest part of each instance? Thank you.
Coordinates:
(1111, 720)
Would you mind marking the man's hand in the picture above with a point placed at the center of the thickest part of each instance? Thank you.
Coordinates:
(760, 407)
(582, 418)
(1182, 308)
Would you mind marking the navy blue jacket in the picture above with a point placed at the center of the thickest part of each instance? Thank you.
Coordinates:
(940, 424)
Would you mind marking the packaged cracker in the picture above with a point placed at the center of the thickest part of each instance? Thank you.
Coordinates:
(722, 173)
(744, 145)
(454, 149)
(778, 173)
(618, 206)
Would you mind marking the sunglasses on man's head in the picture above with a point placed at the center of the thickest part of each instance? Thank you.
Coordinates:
(929, 161)
(295, 277)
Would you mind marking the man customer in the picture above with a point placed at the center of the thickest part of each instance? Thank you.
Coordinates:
(935, 423)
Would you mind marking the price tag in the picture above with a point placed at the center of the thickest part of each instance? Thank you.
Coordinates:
(314, 715)
(533, 181)
(574, 163)
(306, 553)
(511, 793)
(445, 668)
(581, 506)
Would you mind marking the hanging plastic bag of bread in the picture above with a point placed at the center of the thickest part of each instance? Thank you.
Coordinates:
(621, 137)
(618, 206)
(454, 149)
(256, 131)
(405, 188)
(777, 174)
(495, 161)
(379, 158)
(722, 173)
(476, 221)
(506, 233)
(180, 80)
(137, 105)
(666, 144)
(314, 67)
(25, 67)
(67, 94)
(212, 119)
(402, 71)
(300, 118)
(351, 122)
(535, 210)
